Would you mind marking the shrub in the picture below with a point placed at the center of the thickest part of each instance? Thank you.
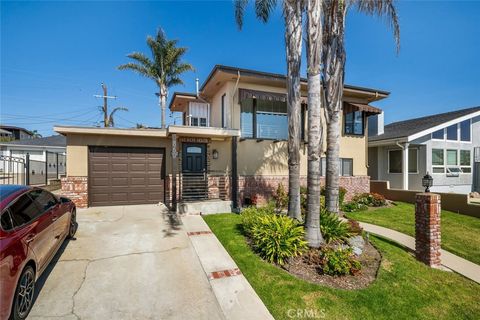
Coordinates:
(355, 228)
(250, 216)
(333, 229)
(276, 238)
(353, 206)
(378, 200)
(281, 198)
(339, 262)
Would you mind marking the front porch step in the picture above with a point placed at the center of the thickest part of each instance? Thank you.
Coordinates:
(204, 207)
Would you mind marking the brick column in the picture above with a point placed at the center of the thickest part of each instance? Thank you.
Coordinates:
(427, 228)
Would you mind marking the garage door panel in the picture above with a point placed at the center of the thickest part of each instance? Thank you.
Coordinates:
(125, 175)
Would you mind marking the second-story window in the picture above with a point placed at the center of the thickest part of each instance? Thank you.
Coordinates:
(354, 123)
(264, 119)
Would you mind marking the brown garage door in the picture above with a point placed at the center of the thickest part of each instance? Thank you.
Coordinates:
(125, 175)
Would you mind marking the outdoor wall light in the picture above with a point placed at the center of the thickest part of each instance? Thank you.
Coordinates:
(215, 154)
(427, 182)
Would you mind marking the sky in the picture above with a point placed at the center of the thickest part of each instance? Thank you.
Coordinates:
(55, 55)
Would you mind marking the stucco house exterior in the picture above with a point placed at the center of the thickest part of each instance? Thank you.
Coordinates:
(446, 145)
(231, 146)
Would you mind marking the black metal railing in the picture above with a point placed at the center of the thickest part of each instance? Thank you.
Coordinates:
(194, 186)
(197, 186)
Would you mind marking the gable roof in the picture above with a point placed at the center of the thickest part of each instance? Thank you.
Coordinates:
(51, 141)
(424, 125)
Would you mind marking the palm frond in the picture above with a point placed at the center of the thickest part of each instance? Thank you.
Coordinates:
(385, 9)
(141, 70)
(111, 121)
(239, 11)
(141, 58)
(263, 8)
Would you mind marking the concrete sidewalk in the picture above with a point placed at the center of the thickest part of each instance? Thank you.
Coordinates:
(464, 267)
(235, 295)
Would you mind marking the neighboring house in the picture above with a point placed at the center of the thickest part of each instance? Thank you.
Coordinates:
(43, 152)
(446, 145)
(17, 133)
(5, 135)
(232, 145)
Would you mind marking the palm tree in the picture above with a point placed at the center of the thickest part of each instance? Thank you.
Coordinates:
(334, 56)
(314, 30)
(164, 68)
(292, 13)
(36, 134)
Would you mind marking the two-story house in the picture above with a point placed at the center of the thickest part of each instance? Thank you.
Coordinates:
(445, 145)
(231, 145)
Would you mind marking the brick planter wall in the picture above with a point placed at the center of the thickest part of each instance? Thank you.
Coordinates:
(427, 228)
(76, 188)
(263, 187)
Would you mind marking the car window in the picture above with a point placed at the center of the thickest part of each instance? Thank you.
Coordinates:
(43, 198)
(6, 221)
(23, 211)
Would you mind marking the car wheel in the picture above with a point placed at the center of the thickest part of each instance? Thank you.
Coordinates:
(73, 225)
(23, 300)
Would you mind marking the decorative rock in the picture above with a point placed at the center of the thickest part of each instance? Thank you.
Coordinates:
(357, 243)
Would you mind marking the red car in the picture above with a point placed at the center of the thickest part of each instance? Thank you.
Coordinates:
(33, 225)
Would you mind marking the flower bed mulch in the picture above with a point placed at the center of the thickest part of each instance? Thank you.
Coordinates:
(370, 260)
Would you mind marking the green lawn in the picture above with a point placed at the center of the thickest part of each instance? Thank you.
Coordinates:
(460, 233)
(405, 288)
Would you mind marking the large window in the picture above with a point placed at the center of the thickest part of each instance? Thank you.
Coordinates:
(246, 118)
(454, 163)
(465, 130)
(395, 161)
(439, 134)
(465, 161)
(354, 123)
(264, 119)
(438, 161)
(346, 167)
(452, 133)
(452, 157)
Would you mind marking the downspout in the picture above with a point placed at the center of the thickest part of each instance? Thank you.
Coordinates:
(233, 98)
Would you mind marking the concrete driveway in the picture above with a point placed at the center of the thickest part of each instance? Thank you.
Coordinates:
(131, 262)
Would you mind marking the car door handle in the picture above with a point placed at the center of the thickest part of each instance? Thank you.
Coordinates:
(30, 238)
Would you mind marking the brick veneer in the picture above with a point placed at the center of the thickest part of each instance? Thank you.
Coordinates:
(427, 228)
(76, 188)
(263, 187)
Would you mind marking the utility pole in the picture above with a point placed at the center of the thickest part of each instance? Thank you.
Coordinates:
(106, 120)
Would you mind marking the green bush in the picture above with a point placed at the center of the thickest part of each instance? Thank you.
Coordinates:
(339, 262)
(250, 216)
(281, 198)
(353, 206)
(276, 238)
(362, 201)
(333, 229)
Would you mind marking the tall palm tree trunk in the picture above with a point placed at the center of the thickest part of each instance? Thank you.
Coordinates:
(292, 12)
(315, 129)
(163, 104)
(334, 57)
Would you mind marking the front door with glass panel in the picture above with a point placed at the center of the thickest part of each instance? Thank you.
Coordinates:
(194, 158)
